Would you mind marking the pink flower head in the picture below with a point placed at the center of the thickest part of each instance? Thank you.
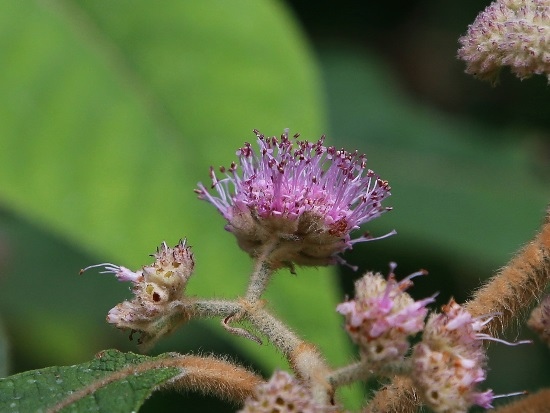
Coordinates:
(306, 194)
(382, 316)
(450, 361)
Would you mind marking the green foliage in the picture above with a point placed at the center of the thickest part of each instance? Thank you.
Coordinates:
(112, 111)
(112, 382)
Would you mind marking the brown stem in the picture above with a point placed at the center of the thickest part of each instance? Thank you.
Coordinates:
(206, 375)
(399, 396)
(304, 357)
(212, 376)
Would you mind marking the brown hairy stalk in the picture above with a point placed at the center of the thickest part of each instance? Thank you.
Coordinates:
(535, 403)
(510, 292)
(399, 396)
(206, 375)
(518, 285)
(220, 378)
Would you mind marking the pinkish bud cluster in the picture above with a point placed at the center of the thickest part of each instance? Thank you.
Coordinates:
(305, 195)
(450, 361)
(509, 33)
(539, 321)
(283, 394)
(158, 290)
(382, 317)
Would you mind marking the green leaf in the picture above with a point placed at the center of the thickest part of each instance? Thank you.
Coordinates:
(112, 382)
(112, 111)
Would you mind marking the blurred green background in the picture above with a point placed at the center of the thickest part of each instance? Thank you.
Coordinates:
(112, 111)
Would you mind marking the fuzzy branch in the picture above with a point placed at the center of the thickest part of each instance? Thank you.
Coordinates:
(518, 285)
(399, 396)
(212, 376)
(207, 375)
(304, 357)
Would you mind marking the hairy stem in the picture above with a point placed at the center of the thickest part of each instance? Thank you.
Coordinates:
(349, 374)
(206, 375)
(262, 271)
(304, 357)
(205, 308)
(399, 396)
(518, 285)
(362, 370)
(220, 378)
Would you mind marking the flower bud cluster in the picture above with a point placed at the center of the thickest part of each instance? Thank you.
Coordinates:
(283, 394)
(382, 316)
(158, 290)
(450, 361)
(509, 33)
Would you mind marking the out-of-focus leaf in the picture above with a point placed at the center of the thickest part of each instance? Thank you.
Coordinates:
(4, 352)
(112, 111)
(112, 382)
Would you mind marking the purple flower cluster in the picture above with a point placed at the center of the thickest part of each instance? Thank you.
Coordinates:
(298, 191)
(450, 361)
(382, 316)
